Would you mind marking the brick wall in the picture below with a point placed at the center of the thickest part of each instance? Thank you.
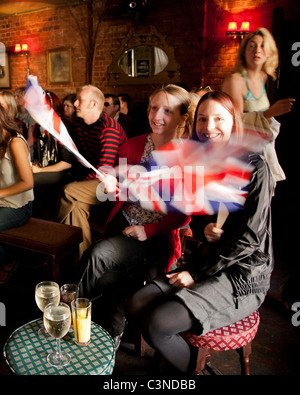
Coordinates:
(195, 28)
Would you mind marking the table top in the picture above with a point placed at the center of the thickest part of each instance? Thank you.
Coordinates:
(26, 353)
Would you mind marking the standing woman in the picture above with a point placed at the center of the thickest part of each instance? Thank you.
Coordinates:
(16, 184)
(257, 60)
(227, 276)
(133, 234)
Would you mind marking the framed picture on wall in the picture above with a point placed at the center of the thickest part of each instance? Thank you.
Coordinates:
(59, 66)
(5, 72)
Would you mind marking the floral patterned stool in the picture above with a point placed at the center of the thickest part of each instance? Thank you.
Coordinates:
(237, 336)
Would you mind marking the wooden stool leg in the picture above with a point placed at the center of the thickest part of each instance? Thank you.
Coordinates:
(244, 354)
(201, 360)
(55, 268)
(139, 344)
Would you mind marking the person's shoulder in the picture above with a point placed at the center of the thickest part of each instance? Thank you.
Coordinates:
(108, 121)
(17, 142)
(234, 78)
(77, 122)
(138, 139)
(235, 86)
(135, 142)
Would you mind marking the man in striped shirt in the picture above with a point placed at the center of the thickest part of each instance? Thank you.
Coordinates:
(98, 138)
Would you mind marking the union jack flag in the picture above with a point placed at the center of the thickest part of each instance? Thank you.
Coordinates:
(185, 175)
(189, 177)
(36, 104)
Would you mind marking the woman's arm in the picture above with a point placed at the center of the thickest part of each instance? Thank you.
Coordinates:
(60, 166)
(281, 107)
(168, 223)
(19, 153)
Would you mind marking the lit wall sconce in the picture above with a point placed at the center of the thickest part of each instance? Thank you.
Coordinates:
(235, 33)
(23, 49)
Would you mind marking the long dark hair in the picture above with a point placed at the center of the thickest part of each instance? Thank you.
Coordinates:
(54, 102)
(227, 102)
(8, 129)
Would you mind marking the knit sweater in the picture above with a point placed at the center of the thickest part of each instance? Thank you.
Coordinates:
(99, 143)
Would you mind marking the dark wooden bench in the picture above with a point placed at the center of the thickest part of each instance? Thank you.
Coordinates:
(50, 240)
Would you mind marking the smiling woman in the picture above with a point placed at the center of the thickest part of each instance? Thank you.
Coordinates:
(227, 274)
(110, 265)
(214, 123)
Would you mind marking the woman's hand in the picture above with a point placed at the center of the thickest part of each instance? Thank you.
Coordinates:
(136, 231)
(181, 279)
(212, 233)
(35, 169)
(280, 107)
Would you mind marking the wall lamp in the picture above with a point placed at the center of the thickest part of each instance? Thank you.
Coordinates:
(23, 49)
(235, 33)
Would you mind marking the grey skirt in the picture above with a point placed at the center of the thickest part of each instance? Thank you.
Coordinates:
(212, 302)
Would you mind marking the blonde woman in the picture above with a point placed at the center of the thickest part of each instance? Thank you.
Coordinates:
(136, 237)
(257, 60)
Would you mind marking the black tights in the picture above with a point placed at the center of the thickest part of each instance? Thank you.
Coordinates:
(160, 319)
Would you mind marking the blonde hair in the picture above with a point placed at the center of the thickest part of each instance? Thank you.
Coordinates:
(270, 48)
(9, 99)
(185, 105)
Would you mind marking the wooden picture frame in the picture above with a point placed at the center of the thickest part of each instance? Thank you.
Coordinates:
(142, 36)
(59, 66)
(5, 81)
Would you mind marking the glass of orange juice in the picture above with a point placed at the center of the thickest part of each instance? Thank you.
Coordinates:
(81, 315)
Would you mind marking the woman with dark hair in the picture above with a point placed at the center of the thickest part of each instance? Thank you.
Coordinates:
(69, 110)
(226, 277)
(8, 102)
(51, 160)
(16, 183)
(51, 165)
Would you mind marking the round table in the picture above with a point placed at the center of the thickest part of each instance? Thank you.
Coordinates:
(26, 353)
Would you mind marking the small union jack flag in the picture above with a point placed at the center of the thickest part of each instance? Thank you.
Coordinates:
(188, 177)
(40, 110)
